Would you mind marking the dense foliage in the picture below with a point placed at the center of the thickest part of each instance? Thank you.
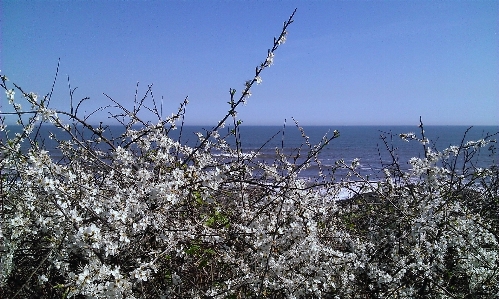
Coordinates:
(141, 215)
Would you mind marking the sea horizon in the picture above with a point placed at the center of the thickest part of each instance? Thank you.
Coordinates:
(365, 143)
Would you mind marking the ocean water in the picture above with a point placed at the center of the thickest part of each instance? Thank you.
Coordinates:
(354, 142)
(366, 144)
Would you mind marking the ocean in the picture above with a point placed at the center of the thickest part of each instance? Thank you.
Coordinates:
(354, 142)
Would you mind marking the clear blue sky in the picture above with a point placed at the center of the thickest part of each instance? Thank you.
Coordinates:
(344, 62)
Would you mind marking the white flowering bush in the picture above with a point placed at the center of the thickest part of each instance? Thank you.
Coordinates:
(141, 215)
(431, 231)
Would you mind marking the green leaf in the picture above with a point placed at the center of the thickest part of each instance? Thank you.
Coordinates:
(194, 249)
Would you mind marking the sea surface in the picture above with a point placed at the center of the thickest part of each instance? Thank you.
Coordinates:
(354, 142)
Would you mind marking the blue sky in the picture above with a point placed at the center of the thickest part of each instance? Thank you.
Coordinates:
(344, 62)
